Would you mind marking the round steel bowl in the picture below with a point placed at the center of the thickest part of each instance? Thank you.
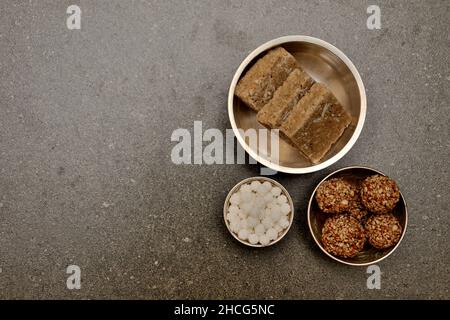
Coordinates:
(326, 64)
(261, 179)
(316, 219)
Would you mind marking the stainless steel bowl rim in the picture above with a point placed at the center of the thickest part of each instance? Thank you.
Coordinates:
(311, 199)
(340, 55)
(247, 180)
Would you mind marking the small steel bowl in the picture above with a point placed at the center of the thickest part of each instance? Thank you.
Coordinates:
(326, 64)
(316, 219)
(260, 179)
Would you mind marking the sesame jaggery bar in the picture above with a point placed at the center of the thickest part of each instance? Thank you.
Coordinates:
(284, 99)
(316, 122)
(258, 85)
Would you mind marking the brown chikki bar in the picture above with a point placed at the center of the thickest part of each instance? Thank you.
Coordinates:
(258, 85)
(284, 99)
(316, 122)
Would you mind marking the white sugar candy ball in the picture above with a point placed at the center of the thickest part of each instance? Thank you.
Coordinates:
(246, 207)
(254, 185)
(232, 216)
(267, 223)
(259, 200)
(246, 196)
(285, 208)
(254, 211)
(272, 234)
(245, 188)
(251, 203)
(275, 202)
(284, 223)
(267, 186)
(243, 234)
(253, 238)
(252, 222)
(260, 205)
(234, 226)
(278, 228)
(264, 240)
(233, 209)
(259, 229)
(235, 218)
(260, 189)
(242, 214)
(276, 191)
(261, 213)
(275, 208)
(243, 224)
(235, 199)
(275, 216)
(268, 198)
(282, 199)
(267, 212)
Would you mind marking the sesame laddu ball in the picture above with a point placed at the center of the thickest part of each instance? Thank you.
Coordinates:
(343, 236)
(383, 230)
(336, 195)
(379, 194)
(358, 211)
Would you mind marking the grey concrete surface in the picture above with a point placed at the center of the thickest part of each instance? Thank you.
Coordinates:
(86, 118)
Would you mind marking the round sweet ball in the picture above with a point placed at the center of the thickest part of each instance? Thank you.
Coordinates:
(253, 238)
(343, 236)
(336, 195)
(243, 234)
(379, 194)
(358, 211)
(383, 230)
(255, 185)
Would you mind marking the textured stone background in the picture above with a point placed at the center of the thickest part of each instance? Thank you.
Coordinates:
(85, 125)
